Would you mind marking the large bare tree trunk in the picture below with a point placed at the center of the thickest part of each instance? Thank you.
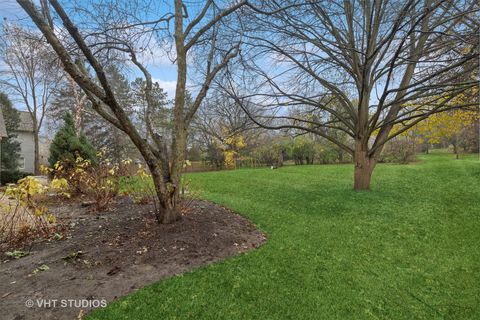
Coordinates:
(364, 165)
(167, 211)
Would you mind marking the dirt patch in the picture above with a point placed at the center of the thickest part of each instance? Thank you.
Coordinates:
(109, 255)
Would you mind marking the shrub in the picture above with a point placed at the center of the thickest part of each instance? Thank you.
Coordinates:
(12, 176)
(214, 156)
(67, 145)
(9, 146)
(302, 150)
(398, 150)
(272, 153)
(22, 217)
(142, 191)
(139, 187)
(266, 154)
(99, 182)
(326, 155)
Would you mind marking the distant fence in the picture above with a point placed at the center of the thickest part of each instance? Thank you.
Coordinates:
(200, 166)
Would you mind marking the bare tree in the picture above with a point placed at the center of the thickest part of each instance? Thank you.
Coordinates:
(125, 30)
(220, 117)
(360, 67)
(158, 115)
(31, 74)
(219, 123)
(80, 101)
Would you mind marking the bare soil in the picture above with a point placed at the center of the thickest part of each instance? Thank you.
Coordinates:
(104, 256)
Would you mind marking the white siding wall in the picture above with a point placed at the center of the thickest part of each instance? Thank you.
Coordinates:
(27, 152)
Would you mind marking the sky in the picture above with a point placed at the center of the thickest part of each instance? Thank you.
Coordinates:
(10, 9)
(162, 69)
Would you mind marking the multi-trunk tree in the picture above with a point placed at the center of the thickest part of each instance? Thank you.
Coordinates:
(358, 66)
(127, 30)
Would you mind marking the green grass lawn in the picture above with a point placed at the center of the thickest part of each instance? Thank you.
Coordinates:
(407, 249)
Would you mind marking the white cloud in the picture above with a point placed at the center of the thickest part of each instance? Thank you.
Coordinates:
(157, 53)
(157, 57)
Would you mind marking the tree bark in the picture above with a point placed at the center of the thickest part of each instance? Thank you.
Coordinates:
(455, 151)
(364, 165)
(455, 147)
(280, 159)
(167, 196)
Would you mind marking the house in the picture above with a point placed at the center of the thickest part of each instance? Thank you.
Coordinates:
(3, 131)
(25, 135)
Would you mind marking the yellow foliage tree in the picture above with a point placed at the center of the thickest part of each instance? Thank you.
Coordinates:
(232, 145)
(447, 126)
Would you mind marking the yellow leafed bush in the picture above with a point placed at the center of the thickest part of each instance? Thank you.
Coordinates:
(22, 217)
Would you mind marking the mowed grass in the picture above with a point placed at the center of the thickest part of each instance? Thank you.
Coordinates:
(407, 249)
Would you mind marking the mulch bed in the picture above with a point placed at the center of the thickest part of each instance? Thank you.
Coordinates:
(108, 255)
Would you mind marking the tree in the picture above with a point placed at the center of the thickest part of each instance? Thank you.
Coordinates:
(160, 115)
(456, 127)
(10, 147)
(223, 129)
(31, 74)
(68, 97)
(370, 59)
(302, 150)
(452, 126)
(115, 31)
(67, 145)
(272, 151)
(232, 145)
(103, 135)
(107, 136)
